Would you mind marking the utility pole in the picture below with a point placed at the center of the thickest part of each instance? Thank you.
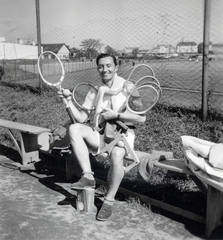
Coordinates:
(205, 60)
(38, 35)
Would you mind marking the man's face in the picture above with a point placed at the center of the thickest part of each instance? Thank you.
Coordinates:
(106, 69)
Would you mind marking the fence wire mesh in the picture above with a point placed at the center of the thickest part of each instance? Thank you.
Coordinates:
(167, 35)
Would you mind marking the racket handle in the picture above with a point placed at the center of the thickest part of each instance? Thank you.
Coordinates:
(118, 122)
(70, 114)
(122, 125)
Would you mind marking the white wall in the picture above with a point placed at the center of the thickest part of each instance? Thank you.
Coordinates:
(11, 51)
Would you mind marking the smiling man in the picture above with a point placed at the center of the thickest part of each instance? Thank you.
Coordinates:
(85, 139)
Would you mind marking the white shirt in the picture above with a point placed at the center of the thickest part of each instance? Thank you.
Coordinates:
(116, 102)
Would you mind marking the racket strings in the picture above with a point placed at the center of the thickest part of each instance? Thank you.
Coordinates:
(51, 68)
(51, 71)
(140, 71)
(84, 95)
(143, 99)
(138, 76)
(143, 89)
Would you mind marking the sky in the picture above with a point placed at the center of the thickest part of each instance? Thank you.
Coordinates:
(118, 23)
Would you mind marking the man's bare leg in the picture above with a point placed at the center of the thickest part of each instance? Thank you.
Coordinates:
(115, 176)
(82, 138)
(116, 172)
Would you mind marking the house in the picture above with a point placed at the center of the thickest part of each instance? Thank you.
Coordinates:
(60, 49)
(186, 47)
(128, 51)
(163, 50)
(142, 53)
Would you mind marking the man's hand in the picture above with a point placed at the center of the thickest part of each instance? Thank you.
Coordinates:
(65, 95)
(108, 113)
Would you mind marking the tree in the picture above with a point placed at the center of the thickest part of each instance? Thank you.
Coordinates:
(91, 47)
(200, 48)
(75, 53)
(110, 50)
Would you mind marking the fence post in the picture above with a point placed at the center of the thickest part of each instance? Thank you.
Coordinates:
(205, 59)
(15, 69)
(38, 35)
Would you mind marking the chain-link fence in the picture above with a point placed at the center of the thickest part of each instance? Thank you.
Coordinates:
(168, 35)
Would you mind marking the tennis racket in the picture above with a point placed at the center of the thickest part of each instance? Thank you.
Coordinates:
(146, 80)
(149, 80)
(139, 74)
(52, 72)
(85, 97)
(143, 89)
(143, 98)
(83, 94)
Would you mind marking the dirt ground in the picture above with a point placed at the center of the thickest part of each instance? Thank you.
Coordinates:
(41, 206)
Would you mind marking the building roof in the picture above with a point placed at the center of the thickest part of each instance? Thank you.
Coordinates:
(54, 47)
(187, 44)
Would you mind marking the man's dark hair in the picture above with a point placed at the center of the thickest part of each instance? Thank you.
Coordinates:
(104, 55)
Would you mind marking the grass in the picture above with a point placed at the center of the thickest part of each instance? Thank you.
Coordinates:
(162, 130)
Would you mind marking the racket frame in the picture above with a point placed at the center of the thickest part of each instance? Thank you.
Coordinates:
(76, 102)
(155, 80)
(141, 65)
(59, 83)
(133, 70)
(150, 107)
(158, 88)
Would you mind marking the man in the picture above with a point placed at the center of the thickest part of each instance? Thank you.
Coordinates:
(85, 139)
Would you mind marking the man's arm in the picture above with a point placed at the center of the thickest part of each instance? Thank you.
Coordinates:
(131, 117)
(126, 116)
(80, 116)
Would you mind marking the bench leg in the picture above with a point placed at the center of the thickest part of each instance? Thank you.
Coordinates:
(214, 209)
(29, 149)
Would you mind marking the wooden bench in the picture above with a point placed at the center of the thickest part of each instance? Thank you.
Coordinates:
(29, 146)
(214, 197)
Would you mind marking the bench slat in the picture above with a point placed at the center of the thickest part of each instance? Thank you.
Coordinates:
(26, 128)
